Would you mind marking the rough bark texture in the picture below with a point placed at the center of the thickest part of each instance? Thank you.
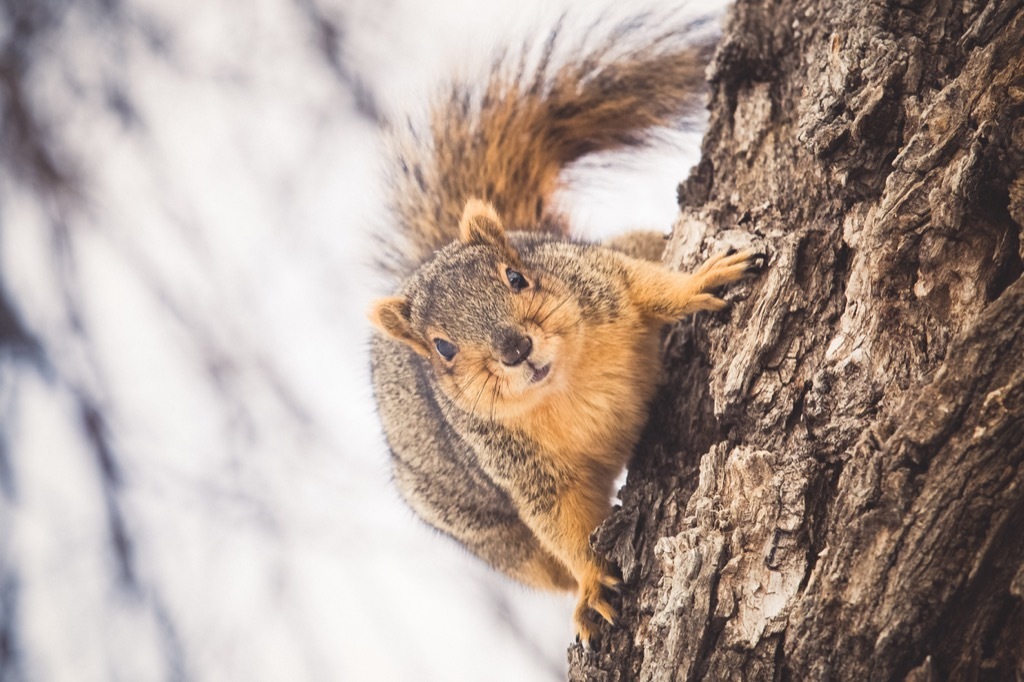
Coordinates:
(831, 485)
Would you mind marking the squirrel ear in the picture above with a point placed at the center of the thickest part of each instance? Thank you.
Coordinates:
(480, 224)
(391, 316)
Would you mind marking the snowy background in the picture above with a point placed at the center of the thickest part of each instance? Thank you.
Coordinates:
(193, 484)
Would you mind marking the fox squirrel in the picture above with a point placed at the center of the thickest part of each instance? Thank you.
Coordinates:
(514, 365)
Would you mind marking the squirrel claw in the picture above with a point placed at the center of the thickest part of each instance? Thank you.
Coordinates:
(756, 264)
(587, 639)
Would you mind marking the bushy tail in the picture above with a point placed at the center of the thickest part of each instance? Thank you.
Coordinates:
(508, 141)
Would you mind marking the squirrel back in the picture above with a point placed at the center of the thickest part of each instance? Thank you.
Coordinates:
(506, 141)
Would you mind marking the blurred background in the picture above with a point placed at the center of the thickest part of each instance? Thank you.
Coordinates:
(193, 483)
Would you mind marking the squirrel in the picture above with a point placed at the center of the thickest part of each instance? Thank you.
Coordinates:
(514, 366)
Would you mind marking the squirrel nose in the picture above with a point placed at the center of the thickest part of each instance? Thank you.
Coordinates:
(514, 348)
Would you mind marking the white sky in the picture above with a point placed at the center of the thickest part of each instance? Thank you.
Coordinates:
(218, 263)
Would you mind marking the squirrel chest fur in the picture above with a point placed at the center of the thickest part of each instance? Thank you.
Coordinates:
(514, 366)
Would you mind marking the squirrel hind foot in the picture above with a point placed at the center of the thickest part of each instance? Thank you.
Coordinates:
(593, 602)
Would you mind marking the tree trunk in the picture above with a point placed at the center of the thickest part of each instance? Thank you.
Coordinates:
(831, 484)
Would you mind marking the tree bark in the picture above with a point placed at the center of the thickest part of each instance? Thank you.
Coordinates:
(831, 483)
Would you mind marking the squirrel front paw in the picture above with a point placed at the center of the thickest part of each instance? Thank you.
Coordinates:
(720, 269)
(665, 295)
(728, 266)
(592, 599)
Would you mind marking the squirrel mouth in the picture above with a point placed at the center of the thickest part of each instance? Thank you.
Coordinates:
(539, 373)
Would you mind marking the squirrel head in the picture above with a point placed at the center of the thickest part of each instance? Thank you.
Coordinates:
(498, 330)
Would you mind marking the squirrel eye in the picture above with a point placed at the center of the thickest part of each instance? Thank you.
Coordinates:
(516, 280)
(446, 349)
